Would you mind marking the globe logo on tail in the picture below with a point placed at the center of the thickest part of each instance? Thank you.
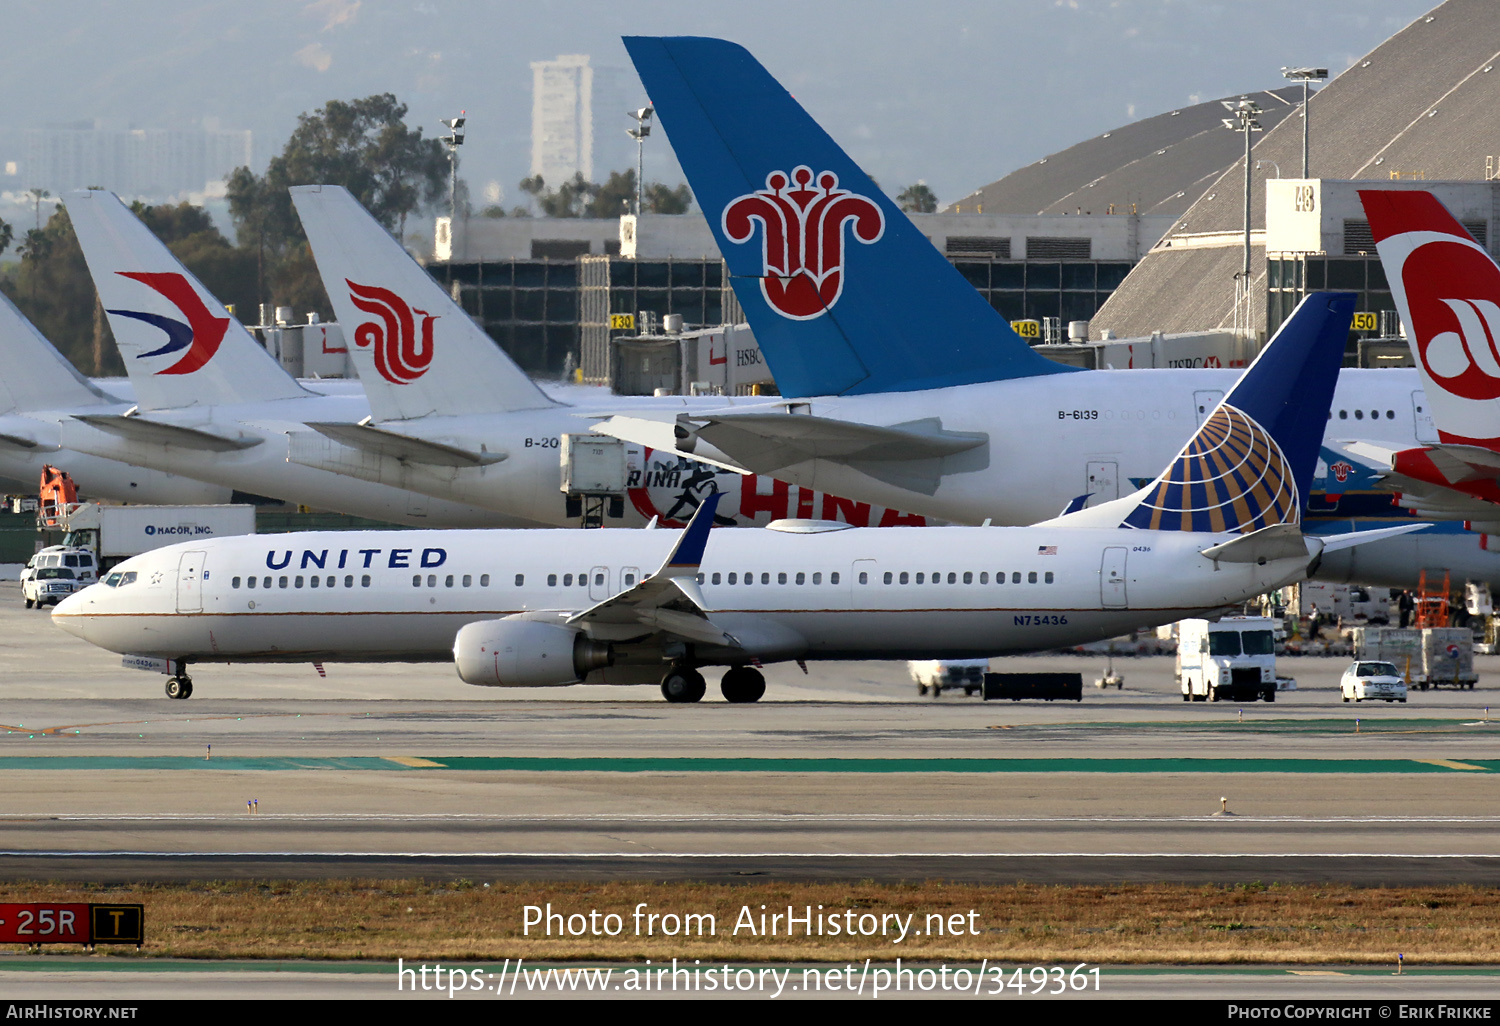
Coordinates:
(401, 354)
(802, 237)
(1232, 476)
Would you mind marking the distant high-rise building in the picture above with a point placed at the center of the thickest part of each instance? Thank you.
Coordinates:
(578, 119)
(141, 163)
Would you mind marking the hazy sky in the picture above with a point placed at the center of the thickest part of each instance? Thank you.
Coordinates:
(955, 92)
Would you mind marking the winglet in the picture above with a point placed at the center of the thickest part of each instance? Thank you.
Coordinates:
(687, 555)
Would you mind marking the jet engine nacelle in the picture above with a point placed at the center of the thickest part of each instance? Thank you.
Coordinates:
(526, 654)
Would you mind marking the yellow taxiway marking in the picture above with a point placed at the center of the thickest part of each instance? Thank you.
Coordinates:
(1450, 764)
(413, 763)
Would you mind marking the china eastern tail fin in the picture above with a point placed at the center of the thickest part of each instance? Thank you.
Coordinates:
(1447, 289)
(417, 352)
(1251, 463)
(179, 344)
(844, 294)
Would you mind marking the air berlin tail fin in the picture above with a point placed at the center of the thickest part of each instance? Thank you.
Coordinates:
(1447, 289)
(179, 344)
(417, 352)
(844, 294)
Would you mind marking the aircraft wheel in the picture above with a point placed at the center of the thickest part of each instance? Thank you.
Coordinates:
(1213, 694)
(683, 685)
(1346, 698)
(1186, 697)
(187, 688)
(922, 689)
(174, 688)
(743, 684)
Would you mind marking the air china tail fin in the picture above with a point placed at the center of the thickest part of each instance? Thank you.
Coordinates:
(1447, 289)
(1250, 465)
(417, 351)
(37, 376)
(844, 294)
(180, 346)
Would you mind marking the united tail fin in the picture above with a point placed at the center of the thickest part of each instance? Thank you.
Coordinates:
(844, 294)
(179, 344)
(1447, 289)
(1250, 465)
(37, 376)
(416, 350)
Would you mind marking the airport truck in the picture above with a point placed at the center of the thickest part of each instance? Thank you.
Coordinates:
(1228, 660)
(1428, 657)
(939, 675)
(115, 533)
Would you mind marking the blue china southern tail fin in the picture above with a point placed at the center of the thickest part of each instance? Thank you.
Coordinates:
(1250, 464)
(844, 294)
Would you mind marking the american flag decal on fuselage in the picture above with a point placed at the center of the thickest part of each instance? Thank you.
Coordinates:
(1232, 476)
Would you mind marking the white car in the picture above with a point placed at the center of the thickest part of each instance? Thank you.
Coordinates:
(49, 585)
(1373, 680)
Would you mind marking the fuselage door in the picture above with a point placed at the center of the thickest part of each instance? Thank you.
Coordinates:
(1103, 481)
(1204, 403)
(1422, 414)
(1112, 578)
(599, 589)
(190, 582)
(864, 578)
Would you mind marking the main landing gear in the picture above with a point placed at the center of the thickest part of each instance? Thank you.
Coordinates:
(180, 687)
(739, 684)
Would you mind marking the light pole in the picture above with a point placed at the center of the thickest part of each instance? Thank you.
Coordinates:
(638, 133)
(1305, 76)
(1243, 119)
(454, 140)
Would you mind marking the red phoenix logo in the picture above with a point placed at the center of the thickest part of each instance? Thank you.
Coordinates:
(1458, 339)
(1341, 470)
(802, 237)
(400, 356)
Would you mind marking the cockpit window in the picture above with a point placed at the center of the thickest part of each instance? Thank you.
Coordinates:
(127, 578)
(112, 580)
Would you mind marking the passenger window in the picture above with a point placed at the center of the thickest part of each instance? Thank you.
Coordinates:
(567, 580)
(817, 578)
(349, 581)
(701, 578)
(598, 578)
(781, 578)
(765, 578)
(716, 578)
(1343, 415)
(315, 582)
(520, 580)
(1049, 576)
(332, 581)
(1031, 577)
(416, 580)
(299, 580)
(468, 580)
(1015, 578)
(887, 577)
(801, 577)
(864, 578)
(903, 577)
(629, 580)
(921, 578)
(281, 582)
(267, 582)
(1359, 414)
(734, 578)
(551, 580)
(984, 578)
(448, 581)
(364, 581)
(833, 578)
(968, 577)
(1390, 414)
(953, 579)
(234, 583)
(250, 583)
(484, 580)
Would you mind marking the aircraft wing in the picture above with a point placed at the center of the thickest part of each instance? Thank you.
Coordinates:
(669, 601)
(367, 437)
(660, 435)
(1445, 482)
(155, 432)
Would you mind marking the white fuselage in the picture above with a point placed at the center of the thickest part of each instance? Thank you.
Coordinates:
(377, 596)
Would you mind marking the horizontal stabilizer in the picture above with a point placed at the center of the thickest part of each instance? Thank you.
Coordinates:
(153, 432)
(1279, 541)
(1335, 542)
(656, 434)
(766, 442)
(369, 438)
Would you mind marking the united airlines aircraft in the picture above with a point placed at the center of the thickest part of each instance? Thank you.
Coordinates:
(1218, 526)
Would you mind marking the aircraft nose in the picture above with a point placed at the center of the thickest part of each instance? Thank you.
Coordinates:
(66, 613)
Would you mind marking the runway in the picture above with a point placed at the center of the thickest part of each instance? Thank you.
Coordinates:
(845, 771)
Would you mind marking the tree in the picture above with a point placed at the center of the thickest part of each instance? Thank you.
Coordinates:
(7, 234)
(580, 198)
(362, 145)
(918, 199)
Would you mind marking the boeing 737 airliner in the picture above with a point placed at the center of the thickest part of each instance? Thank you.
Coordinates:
(1219, 525)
